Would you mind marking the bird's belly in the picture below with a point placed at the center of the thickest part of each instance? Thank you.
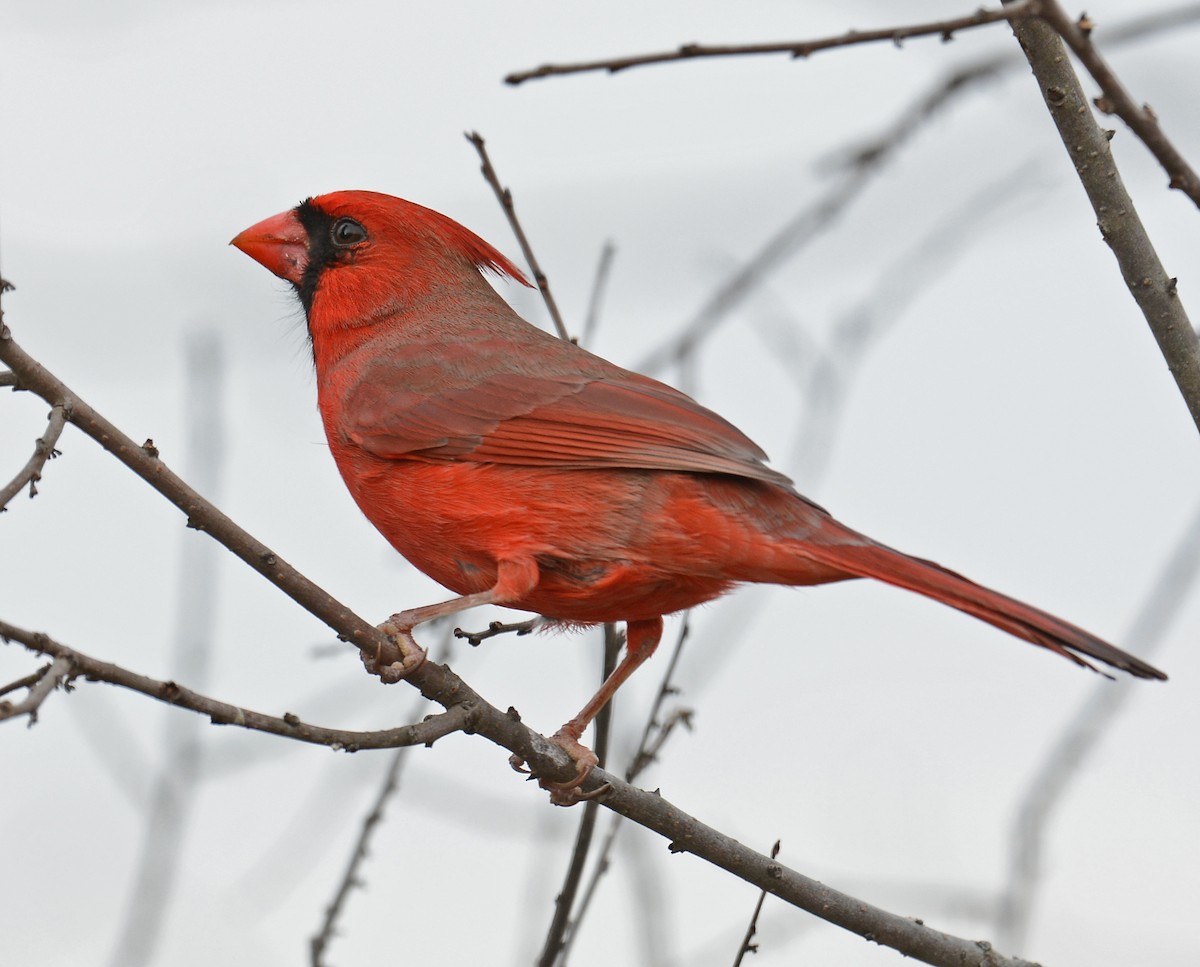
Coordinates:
(600, 537)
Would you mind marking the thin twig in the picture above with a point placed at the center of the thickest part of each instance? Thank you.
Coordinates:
(7, 378)
(599, 285)
(504, 196)
(494, 628)
(1063, 763)
(222, 713)
(1088, 147)
(44, 682)
(43, 450)
(946, 29)
(748, 946)
(350, 879)
(1115, 99)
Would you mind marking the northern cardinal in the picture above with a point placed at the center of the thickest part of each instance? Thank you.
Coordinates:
(518, 469)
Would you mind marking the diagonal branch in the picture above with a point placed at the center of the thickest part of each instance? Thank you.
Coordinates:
(946, 29)
(1152, 289)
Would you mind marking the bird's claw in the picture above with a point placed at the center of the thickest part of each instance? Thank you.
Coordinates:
(566, 793)
(402, 659)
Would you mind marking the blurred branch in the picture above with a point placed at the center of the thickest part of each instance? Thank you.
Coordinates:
(456, 719)
(467, 710)
(174, 787)
(800, 230)
(1141, 119)
(600, 283)
(39, 685)
(43, 450)
(351, 879)
(946, 29)
(504, 196)
(826, 375)
(1088, 147)
(1063, 764)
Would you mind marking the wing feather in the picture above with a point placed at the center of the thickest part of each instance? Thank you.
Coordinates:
(577, 412)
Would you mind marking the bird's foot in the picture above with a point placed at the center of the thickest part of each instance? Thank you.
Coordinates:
(400, 660)
(567, 793)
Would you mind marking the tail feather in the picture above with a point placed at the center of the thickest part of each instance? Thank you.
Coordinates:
(862, 557)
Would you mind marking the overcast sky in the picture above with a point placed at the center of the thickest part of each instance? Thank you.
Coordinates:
(1010, 418)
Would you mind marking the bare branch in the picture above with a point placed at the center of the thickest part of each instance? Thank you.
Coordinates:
(350, 879)
(1152, 289)
(946, 29)
(43, 450)
(40, 684)
(504, 196)
(7, 378)
(222, 713)
(1116, 100)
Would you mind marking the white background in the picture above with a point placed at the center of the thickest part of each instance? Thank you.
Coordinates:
(1015, 422)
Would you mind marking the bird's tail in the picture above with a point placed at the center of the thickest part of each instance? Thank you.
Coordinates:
(838, 547)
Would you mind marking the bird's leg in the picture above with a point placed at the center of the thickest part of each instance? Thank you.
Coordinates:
(641, 639)
(514, 579)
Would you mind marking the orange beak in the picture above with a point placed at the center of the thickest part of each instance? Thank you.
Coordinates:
(279, 243)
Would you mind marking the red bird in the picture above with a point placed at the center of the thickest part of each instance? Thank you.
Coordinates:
(519, 470)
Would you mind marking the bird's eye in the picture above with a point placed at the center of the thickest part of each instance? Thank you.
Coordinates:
(346, 233)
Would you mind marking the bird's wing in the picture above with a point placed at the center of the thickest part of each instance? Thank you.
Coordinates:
(571, 410)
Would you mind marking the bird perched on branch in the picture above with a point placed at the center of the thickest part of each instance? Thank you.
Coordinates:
(518, 469)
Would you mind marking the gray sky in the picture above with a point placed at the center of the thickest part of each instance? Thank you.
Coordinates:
(1013, 420)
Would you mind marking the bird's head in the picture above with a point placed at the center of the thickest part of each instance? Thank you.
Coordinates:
(357, 256)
